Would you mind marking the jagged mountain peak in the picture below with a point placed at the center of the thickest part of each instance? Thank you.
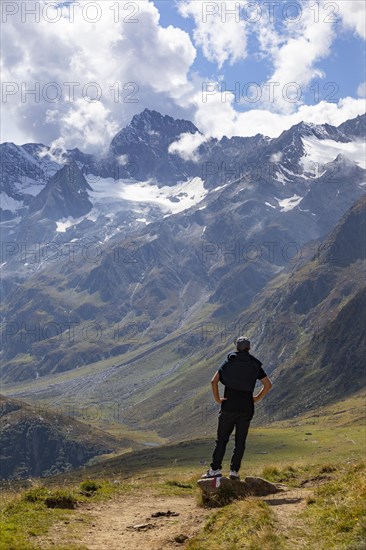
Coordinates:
(65, 194)
(144, 144)
(342, 158)
(152, 120)
(320, 131)
(355, 127)
(152, 128)
(70, 175)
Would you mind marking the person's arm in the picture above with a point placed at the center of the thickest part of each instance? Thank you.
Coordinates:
(267, 385)
(215, 388)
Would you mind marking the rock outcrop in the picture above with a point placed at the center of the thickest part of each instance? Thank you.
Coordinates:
(220, 491)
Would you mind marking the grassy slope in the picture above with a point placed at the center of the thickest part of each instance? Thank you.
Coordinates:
(332, 517)
(320, 451)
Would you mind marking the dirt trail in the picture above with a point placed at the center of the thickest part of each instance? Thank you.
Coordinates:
(111, 525)
(287, 507)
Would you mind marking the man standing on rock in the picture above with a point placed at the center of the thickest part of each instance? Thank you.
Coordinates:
(238, 373)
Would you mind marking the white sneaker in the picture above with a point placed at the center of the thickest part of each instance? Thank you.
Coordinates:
(234, 475)
(212, 473)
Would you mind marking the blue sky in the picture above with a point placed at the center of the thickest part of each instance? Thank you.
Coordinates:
(162, 60)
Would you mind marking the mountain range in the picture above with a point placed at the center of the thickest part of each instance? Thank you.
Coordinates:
(126, 277)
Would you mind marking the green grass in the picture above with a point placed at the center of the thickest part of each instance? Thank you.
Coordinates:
(295, 446)
(280, 475)
(22, 520)
(29, 514)
(320, 455)
(243, 524)
(333, 517)
(336, 515)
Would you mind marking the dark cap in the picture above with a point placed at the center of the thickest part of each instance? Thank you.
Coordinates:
(242, 343)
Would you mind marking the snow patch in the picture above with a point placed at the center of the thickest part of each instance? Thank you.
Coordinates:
(92, 216)
(319, 152)
(28, 186)
(172, 199)
(281, 178)
(290, 203)
(223, 187)
(64, 223)
(289, 172)
(8, 203)
(271, 205)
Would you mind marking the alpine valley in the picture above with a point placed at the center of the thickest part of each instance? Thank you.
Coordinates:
(126, 277)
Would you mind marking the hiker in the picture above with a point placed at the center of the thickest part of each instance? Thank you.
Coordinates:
(238, 373)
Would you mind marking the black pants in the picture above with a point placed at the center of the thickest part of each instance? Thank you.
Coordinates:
(227, 422)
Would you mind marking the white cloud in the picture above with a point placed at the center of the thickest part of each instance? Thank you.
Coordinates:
(361, 90)
(88, 122)
(138, 65)
(221, 35)
(186, 146)
(331, 113)
(217, 119)
(133, 65)
(301, 45)
(295, 54)
(353, 15)
(56, 152)
(122, 160)
(276, 157)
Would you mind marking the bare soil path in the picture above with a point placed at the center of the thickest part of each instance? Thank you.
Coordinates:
(127, 522)
(287, 507)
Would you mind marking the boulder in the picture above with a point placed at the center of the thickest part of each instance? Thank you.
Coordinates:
(261, 487)
(222, 490)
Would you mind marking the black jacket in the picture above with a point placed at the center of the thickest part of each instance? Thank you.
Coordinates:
(240, 371)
